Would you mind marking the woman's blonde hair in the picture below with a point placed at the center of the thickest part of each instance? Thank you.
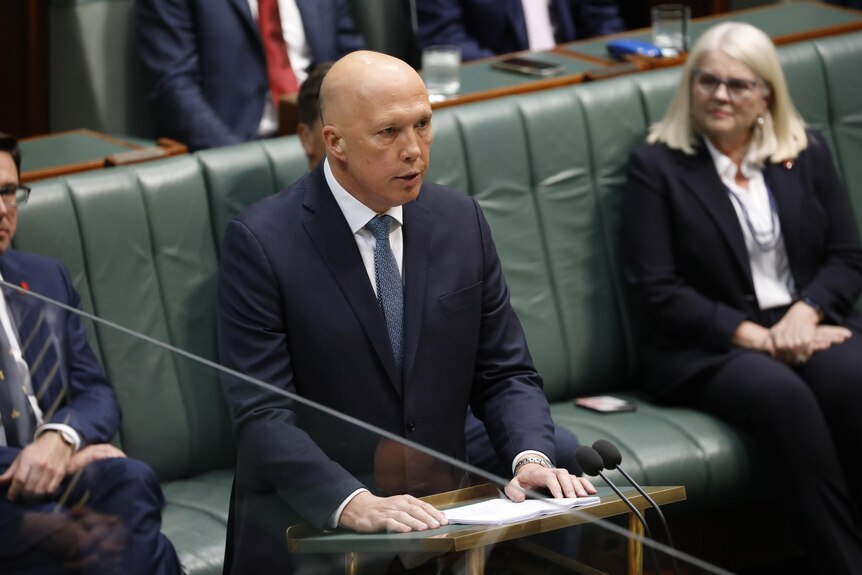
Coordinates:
(780, 137)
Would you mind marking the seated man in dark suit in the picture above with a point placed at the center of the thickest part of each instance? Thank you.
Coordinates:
(366, 289)
(69, 500)
(217, 69)
(483, 28)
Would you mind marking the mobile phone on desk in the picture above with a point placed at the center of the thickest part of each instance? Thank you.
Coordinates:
(623, 47)
(528, 66)
(605, 404)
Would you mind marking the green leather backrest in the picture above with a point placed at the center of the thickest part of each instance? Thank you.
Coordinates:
(141, 247)
(238, 176)
(842, 71)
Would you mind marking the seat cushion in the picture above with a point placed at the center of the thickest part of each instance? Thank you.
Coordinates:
(664, 445)
(195, 520)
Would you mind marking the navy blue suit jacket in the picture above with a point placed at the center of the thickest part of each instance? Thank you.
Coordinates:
(483, 28)
(297, 310)
(206, 68)
(85, 400)
(686, 257)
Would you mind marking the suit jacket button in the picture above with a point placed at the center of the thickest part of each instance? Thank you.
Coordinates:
(411, 425)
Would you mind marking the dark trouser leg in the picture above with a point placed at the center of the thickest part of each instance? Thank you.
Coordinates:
(107, 522)
(772, 402)
(129, 490)
(835, 376)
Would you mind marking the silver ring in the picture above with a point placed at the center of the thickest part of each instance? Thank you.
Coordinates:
(801, 359)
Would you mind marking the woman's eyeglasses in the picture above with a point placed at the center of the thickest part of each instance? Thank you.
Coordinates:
(738, 89)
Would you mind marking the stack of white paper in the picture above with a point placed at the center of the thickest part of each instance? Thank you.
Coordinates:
(502, 511)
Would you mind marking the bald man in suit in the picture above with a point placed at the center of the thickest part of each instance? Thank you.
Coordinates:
(305, 304)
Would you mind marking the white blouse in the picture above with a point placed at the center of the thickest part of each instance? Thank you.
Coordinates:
(770, 269)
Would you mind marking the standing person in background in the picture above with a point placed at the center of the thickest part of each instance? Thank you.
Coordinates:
(217, 69)
(740, 241)
(69, 500)
(482, 28)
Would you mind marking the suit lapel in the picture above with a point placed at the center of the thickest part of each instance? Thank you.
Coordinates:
(325, 225)
(786, 190)
(242, 8)
(705, 184)
(13, 274)
(417, 241)
(313, 13)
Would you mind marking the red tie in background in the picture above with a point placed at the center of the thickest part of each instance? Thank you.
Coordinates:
(282, 80)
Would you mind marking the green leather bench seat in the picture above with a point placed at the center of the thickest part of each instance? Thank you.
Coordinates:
(548, 168)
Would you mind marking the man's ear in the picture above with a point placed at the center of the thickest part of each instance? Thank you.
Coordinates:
(334, 142)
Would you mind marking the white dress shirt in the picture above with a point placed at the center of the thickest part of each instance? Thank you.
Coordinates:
(770, 269)
(298, 52)
(540, 30)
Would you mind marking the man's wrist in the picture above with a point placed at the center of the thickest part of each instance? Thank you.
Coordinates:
(533, 458)
(69, 436)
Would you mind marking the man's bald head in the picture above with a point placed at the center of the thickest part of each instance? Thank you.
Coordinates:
(358, 77)
(376, 128)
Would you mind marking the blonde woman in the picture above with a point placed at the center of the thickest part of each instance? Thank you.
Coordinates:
(740, 242)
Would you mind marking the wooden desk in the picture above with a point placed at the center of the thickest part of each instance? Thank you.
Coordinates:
(473, 539)
(64, 153)
(784, 23)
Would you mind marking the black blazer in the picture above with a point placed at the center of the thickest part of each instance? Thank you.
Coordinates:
(687, 264)
(296, 309)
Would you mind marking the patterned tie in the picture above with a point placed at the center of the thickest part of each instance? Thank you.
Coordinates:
(19, 420)
(281, 78)
(390, 292)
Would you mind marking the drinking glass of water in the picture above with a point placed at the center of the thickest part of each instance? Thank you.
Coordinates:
(441, 71)
(670, 28)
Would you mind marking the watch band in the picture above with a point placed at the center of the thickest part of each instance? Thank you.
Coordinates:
(532, 459)
(813, 304)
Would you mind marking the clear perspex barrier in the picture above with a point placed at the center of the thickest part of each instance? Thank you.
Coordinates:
(176, 419)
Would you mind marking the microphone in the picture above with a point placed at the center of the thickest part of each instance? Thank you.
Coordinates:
(611, 459)
(591, 463)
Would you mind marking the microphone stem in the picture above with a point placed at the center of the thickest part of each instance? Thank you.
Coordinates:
(640, 517)
(657, 510)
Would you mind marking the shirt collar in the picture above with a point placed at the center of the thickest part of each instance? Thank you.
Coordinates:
(726, 168)
(355, 212)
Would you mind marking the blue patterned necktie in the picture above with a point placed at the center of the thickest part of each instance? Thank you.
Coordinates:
(390, 293)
